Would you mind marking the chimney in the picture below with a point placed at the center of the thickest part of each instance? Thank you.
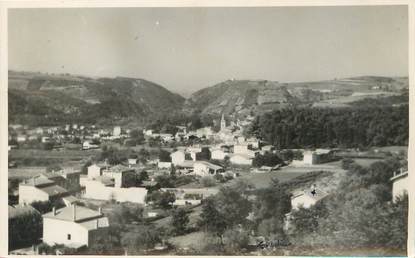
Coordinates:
(74, 212)
(100, 210)
(54, 211)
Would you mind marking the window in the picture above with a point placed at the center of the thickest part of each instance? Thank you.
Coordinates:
(69, 236)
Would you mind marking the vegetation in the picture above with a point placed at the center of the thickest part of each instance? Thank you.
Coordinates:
(25, 230)
(180, 219)
(359, 214)
(342, 127)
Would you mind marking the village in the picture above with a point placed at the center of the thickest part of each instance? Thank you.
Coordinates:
(165, 173)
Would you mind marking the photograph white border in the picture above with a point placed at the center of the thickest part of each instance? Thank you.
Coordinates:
(5, 5)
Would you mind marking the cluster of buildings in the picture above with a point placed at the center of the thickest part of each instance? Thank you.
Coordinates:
(19, 134)
(72, 225)
(112, 183)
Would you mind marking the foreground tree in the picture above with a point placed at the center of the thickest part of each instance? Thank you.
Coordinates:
(179, 222)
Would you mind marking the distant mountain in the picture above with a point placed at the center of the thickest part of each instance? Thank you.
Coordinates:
(48, 99)
(243, 97)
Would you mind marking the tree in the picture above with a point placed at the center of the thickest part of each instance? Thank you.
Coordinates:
(161, 199)
(208, 181)
(136, 137)
(212, 220)
(180, 219)
(235, 240)
(164, 156)
(142, 176)
(268, 159)
(204, 154)
(144, 237)
(24, 230)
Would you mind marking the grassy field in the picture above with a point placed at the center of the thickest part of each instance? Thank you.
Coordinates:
(262, 180)
(25, 172)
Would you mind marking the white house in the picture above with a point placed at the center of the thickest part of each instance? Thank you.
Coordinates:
(21, 138)
(123, 176)
(204, 168)
(39, 188)
(240, 148)
(116, 131)
(218, 154)
(400, 184)
(166, 137)
(177, 157)
(148, 132)
(316, 157)
(95, 170)
(87, 145)
(241, 159)
(307, 198)
(164, 164)
(102, 188)
(74, 226)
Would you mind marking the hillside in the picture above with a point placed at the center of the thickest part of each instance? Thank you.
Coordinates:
(245, 96)
(49, 99)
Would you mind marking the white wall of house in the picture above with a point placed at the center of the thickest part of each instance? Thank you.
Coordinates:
(201, 169)
(240, 160)
(302, 200)
(56, 232)
(240, 149)
(177, 157)
(94, 171)
(29, 194)
(162, 164)
(218, 154)
(118, 177)
(400, 186)
(309, 158)
(96, 190)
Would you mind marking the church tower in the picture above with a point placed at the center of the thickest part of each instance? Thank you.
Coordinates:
(222, 123)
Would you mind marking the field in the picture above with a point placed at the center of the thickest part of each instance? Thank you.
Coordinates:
(261, 180)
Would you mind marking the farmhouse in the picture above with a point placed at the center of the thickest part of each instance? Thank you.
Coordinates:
(102, 188)
(241, 159)
(40, 188)
(164, 164)
(177, 157)
(123, 176)
(74, 226)
(307, 198)
(95, 170)
(317, 157)
(68, 179)
(400, 184)
(204, 168)
(218, 154)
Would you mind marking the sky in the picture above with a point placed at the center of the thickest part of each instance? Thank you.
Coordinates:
(186, 49)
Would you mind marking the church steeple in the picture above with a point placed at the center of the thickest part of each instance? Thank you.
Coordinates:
(222, 122)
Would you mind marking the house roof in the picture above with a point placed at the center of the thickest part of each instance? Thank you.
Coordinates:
(245, 156)
(209, 165)
(398, 176)
(119, 169)
(53, 190)
(70, 199)
(187, 164)
(21, 210)
(92, 224)
(81, 214)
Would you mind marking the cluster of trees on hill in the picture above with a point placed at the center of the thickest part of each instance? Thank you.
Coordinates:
(342, 127)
